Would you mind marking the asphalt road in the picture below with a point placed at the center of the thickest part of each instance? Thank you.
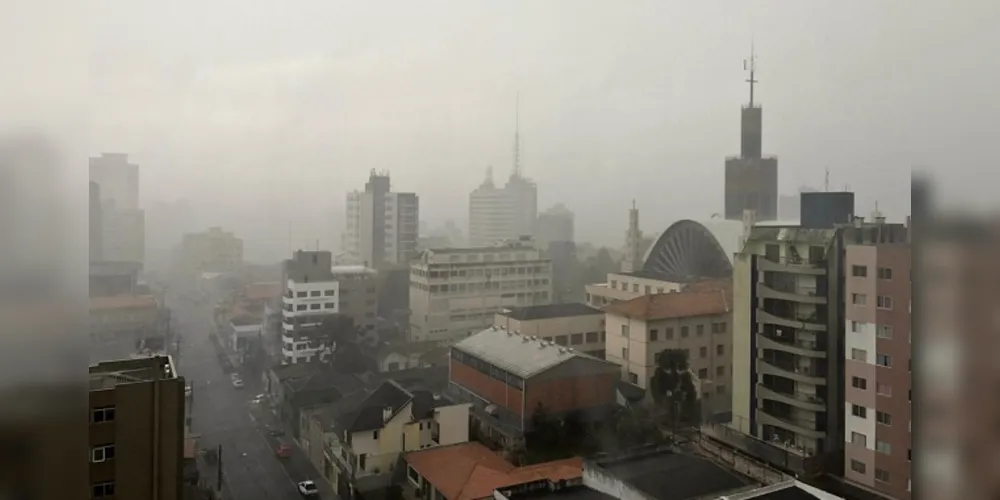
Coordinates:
(224, 415)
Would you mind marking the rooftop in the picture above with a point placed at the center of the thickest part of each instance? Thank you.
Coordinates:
(682, 304)
(518, 354)
(122, 302)
(655, 275)
(245, 320)
(471, 471)
(666, 475)
(709, 285)
(787, 490)
(109, 374)
(550, 311)
(572, 493)
(263, 291)
(369, 414)
(349, 269)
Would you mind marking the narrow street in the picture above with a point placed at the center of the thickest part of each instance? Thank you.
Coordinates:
(227, 416)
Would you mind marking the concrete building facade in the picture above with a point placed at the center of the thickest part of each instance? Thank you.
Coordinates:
(382, 225)
(571, 324)
(123, 231)
(877, 353)
(310, 294)
(506, 213)
(136, 429)
(751, 179)
(456, 292)
(213, 250)
(555, 225)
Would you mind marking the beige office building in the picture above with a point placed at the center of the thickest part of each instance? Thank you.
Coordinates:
(455, 292)
(570, 324)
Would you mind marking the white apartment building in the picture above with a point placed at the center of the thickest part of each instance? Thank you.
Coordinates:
(455, 292)
(505, 213)
(382, 226)
(311, 292)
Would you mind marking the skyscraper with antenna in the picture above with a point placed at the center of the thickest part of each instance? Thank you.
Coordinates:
(751, 179)
(508, 212)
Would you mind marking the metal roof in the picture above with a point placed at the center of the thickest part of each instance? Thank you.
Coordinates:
(523, 356)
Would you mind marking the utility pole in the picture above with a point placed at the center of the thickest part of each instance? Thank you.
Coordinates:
(219, 478)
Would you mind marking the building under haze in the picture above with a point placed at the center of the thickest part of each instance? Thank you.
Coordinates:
(555, 225)
(136, 430)
(382, 226)
(502, 213)
(96, 224)
(123, 227)
(457, 291)
(214, 250)
(751, 179)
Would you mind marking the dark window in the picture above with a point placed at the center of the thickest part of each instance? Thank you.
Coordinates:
(592, 337)
(103, 490)
(858, 466)
(315, 293)
(576, 339)
(652, 335)
(703, 373)
(684, 332)
(699, 329)
(859, 271)
(885, 273)
(720, 371)
(859, 383)
(859, 411)
(883, 418)
(668, 333)
(720, 350)
(104, 414)
(703, 352)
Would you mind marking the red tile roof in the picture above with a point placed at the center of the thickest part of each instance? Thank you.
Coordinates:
(471, 471)
(262, 291)
(681, 304)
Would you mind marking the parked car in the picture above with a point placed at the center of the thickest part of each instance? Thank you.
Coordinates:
(238, 383)
(308, 489)
(284, 450)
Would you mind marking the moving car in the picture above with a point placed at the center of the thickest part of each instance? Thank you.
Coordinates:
(284, 450)
(237, 383)
(308, 489)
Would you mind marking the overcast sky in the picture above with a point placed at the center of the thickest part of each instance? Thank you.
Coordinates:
(264, 111)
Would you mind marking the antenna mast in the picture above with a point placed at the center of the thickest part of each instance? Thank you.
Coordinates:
(826, 183)
(751, 65)
(517, 135)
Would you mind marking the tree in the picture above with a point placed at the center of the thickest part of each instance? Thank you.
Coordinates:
(337, 337)
(673, 389)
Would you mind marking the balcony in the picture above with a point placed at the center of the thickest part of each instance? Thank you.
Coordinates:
(798, 426)
(805, 296)
(792, 266)
(804, 323)
(799, 400)
(797, 346)
(809, 375)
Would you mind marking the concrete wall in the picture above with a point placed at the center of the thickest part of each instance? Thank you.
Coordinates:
(453, 424)
(584, 333)
(742, 355)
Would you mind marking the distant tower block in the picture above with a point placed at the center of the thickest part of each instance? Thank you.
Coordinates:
(751, 178)
(633, 243)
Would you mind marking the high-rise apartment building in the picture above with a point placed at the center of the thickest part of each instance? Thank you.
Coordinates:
(123, 225)
(136, 432)
(751, 179)
(455, 292)
(634, 250)
(877, 352)
(555, 225)
(310, 295)
(504, 213)
(382, 226)
(96, 224)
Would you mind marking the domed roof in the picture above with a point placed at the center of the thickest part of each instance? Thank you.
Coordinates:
(689, 250)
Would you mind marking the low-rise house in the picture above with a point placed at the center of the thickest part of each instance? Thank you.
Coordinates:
(245, 334)
(405, 355)
(317, 389)
(507, 377)
(471, 471)
(364, 447)
(570, 324)
(694, 321)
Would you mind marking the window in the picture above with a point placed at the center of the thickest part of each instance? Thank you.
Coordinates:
(884, 389)
(722, 327)
(624, 330)
(561, 340)
(720, 371)
(314, 306)
(885, 273)
(329, 305)
(668, 333)
(592, 337)
(633, 378)
(576, 339)
(855, 327)
(102, 453)
(859, 299)
(881, 475)
(703, 373)
(635, 287)
(884, 302)
(859, 271)
(883, 447)
(648, 290)
(625, 353)
(684, 332)
(703, 352)
(859, 383)
(652, 335)
(859, 411)
(859, 439)
(301, 294)
(614, 283)
(700, 330)
(858, 466)
(883, 360)
(329, 293)
(883, 418)
(314, 293)
(659, 289)
(300, 307)
(859, 355)
(720, 389)
(103, 490)
(884, 331)
(374, 434)
(720, 350)
(103, 414)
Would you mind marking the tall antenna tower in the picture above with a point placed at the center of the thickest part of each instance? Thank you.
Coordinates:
(517, 135)
(826, 182)
(751, 66)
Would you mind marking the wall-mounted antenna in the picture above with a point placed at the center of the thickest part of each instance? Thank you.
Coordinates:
(751, 66)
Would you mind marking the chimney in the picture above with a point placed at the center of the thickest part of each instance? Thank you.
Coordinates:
(386, 414)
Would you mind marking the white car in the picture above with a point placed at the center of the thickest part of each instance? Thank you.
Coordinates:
(308, 489)
(237, 383)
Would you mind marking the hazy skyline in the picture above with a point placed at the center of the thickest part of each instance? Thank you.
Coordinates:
(268, 112)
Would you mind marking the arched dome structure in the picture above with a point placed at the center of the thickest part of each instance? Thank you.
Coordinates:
(688, 250)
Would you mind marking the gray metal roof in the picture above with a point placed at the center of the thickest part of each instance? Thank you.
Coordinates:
(520, 355)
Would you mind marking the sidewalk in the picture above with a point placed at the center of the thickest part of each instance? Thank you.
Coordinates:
(298, 464)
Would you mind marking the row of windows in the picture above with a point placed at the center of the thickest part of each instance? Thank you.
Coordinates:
(577, 338)
(478, 287)
(311, 307)
(313, 293)
(881, 475)
(488, 369)
(481, 272)
(702, 353)
(882, 388)
(105, 489)
(884, 273)
(668, 332)
(635, 287)
(882, 331)
(883, 302)
(880, 359)
(102, 414)
(881, 417)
